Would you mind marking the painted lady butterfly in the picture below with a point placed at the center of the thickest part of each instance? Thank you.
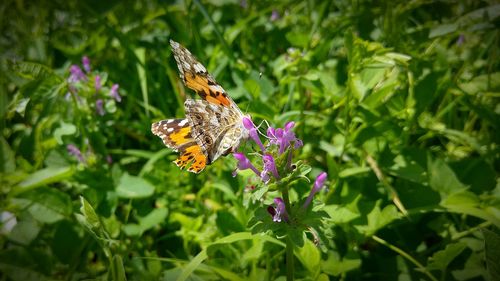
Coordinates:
(213, 125)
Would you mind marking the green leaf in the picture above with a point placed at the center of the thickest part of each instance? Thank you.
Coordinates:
(349, 172)
(90, 219)
(378, 219)
(198, 259)
(32, 71)
(309, 256)
(154, 218)
(7, 160)
(492, 253)
(43, 177)
(64, 130)
(48, 205)
(335, 265)
(407, 167)
(227, 222)
(441, 259)
(442, 178)
(117, 271)
(442, 29)
(133, 187)
(132, 229)
(340, 214)
(25, 231)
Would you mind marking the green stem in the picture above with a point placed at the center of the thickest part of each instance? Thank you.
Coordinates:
(289, 259)
(289, 243)
(406, 256)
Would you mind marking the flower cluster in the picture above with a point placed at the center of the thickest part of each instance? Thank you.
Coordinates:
(274, 162)
(283, 138)
(88, 90)
(91, 85)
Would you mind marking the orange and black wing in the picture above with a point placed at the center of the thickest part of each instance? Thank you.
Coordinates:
(196, 77)
(176, 134)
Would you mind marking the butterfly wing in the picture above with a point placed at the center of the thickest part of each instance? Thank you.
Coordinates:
(177, 134)
(196, 77)
(217, 128)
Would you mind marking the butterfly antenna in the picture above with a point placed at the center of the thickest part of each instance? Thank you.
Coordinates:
(262, 134)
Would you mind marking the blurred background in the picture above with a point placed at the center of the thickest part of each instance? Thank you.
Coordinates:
(396, 100)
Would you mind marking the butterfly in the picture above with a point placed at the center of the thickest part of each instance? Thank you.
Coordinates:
(213, 125)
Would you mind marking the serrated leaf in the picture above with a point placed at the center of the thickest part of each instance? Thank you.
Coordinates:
(441, 259)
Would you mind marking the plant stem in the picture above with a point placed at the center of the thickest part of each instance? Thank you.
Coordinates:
(406, 256)
(289, 259)
(289, 243)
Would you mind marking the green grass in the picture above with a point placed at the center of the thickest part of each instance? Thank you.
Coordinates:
(397, 101)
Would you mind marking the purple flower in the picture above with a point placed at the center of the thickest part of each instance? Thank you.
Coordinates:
(86, 64)
(76, 74)
(114, 93)
(97, 83)
(275, 15)
(270, 166)
(252, 131)
(243, 4)
(460, 40)
(99, 107)
(109, 159)
(284, 137)
(73, 150)
(279, 212)
(318, 185)
(244, 163)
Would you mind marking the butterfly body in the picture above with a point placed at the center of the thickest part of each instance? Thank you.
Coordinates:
(213, 126)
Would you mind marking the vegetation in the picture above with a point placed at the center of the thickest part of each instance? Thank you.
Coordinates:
(397, 101)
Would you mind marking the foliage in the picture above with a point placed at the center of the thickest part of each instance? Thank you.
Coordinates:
(396, 101)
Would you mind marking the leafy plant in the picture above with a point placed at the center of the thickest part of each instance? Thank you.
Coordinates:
(396, 101)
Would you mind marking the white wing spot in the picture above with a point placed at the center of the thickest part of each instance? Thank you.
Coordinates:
(183, 122)
(186, 65)
(170, 130)
(170, 121)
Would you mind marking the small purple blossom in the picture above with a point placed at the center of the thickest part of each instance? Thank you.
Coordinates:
(97, 83)
(109, 159)
(279, 212)
(243, 4)
(275, 15)
(318, 185)
(460, 40)
(284, 137)
(270, 165)
(73, 150)
(76, 74)
(99, 107)
(86, 63)
(244, 163)
(252, 131)
(114, 93)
